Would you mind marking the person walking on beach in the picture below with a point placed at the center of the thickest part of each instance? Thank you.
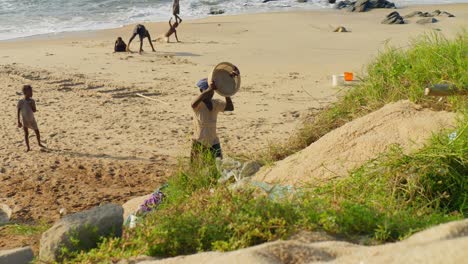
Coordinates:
(26, 109)
(176, 11)
(143, 33)
(206, 109)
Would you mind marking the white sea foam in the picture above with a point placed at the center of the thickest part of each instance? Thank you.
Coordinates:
(22, 18)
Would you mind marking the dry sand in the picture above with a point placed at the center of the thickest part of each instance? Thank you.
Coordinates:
(442, 244)
(348, 147)
(107, 145)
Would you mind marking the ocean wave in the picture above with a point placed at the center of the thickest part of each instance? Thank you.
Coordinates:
(37, 17)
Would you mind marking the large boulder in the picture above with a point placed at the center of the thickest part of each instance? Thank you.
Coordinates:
(81, 231)
(5, 214)
(16, 256)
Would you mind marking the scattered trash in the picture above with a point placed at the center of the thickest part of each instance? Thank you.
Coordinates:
(231, 168)
(452, 136)
(275, 191)
(150, 204)
(62, 211)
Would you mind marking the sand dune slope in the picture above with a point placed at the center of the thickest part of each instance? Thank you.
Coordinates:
(351, 145)
(446, 243)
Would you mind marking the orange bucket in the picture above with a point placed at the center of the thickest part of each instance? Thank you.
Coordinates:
(348, 76)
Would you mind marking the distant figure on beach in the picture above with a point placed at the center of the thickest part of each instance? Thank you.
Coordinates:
(120, 45)
(176, 11)
(206, 109)
(172, 30)
(143, 33)
(26, 109)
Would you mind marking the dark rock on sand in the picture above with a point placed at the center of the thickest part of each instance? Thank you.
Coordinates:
(427, 14)
(364, 5)
(216, 11)
(340, 29)
(445, 13)
(331, 1)
(427, 20)
(393, 18)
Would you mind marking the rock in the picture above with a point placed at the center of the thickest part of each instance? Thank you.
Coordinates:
(447, 14)
(413, 14)
(5, 214)
(88, 227)
(364, 5)
(133, 205)
(340, 29)
(427, 20)
(436, 12)
(16, 256)
(393, 18)
(361, 5)
(216, 11)
(427, 14)
(331, 1)
(302, 1)
(249, 169)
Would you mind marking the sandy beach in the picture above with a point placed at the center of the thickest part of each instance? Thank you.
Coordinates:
(105, 144)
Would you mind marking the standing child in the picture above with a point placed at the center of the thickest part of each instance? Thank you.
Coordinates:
(27, 108)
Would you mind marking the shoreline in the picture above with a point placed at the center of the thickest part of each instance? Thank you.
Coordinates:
(88, 33)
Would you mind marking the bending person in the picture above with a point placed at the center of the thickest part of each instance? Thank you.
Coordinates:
(143, 33)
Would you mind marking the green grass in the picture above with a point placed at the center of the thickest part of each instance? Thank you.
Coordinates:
(394, 75)
(24, 229)
(386, 199)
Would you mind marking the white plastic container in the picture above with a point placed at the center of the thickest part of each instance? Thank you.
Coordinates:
(337, 80)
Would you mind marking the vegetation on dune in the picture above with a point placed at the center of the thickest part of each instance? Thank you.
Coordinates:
(387, 199)
(394, 75)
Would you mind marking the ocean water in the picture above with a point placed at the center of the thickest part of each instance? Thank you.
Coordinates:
(23, 18)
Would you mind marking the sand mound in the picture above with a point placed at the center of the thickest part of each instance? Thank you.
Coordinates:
(349, 146)
(446, 243)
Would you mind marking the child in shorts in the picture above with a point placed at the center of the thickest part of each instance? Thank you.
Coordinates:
(26, 109)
